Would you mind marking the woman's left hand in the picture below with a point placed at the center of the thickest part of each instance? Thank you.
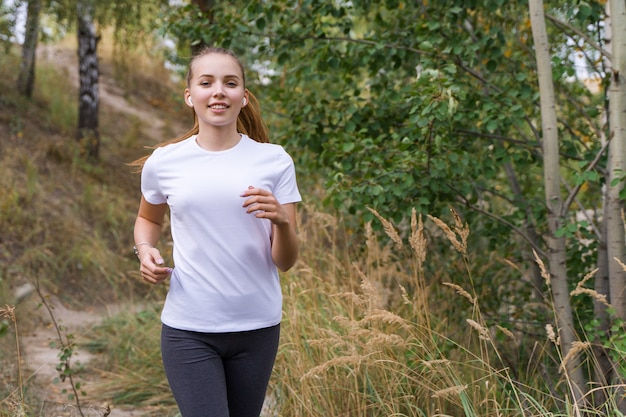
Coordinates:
(264, 205)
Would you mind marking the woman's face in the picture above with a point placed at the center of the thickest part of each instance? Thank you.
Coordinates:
(216, 89)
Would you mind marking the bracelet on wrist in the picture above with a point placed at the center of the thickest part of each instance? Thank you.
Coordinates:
(136, 250)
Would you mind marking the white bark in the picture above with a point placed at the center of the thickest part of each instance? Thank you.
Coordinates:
(614, 206)
(556, 250)
(617, 157)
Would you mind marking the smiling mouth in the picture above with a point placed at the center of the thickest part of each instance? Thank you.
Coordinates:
(218, 106)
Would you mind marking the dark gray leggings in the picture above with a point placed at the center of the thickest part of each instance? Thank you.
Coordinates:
(219, 374)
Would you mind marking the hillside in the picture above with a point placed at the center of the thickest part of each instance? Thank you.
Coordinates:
(66, 225)
(59, 199)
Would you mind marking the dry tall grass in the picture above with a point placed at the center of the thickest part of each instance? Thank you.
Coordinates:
(358, 338)
(361, 335)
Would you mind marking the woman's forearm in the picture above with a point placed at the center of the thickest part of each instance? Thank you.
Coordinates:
(285, 244)
(146, 233)
(148, 225)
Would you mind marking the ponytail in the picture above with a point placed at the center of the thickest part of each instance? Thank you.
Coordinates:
(138, 163)
(250, 121)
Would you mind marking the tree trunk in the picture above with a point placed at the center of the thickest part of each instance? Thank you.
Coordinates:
(617, 156)
(614, 210)
(556, 246)
(26, 77)
(89, 99)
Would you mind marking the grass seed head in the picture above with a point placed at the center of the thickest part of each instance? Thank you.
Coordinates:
(8, 312)
(417, 240)
(389, 228)
(461, 291)
(544, 272)
(576, 348)
(446, 392)
(483, 332)
(551, 334)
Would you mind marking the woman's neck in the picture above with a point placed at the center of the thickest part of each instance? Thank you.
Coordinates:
(215, 139)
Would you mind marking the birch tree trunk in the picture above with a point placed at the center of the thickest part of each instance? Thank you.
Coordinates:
(26, 77)
(617, 155)
(556, 246)
(89, 99)
(614, 206)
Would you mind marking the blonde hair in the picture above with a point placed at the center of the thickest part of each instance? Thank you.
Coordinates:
(249, 122)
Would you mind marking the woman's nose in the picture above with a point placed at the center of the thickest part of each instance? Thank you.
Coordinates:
(219, 89)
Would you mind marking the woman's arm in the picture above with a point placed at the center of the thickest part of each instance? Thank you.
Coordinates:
(148, 225)
(283, 216)
(285, 245)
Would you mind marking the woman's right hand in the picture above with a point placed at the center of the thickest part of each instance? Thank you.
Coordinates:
(152, 268)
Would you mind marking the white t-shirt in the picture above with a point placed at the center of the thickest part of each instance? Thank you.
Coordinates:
(224, 278)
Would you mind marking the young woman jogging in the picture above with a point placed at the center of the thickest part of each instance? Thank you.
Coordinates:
(231, 198)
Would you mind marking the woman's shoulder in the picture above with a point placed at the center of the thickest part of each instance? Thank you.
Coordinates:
(174, 147)
(264, 146)
(168, 153)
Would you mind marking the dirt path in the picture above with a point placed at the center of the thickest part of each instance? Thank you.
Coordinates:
(111, 95)
(41, 357)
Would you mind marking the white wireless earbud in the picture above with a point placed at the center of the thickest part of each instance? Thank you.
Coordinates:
(245, 101)
(190, 101)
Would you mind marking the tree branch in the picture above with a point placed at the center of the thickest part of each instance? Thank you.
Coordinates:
(567, 27)
(572, 194)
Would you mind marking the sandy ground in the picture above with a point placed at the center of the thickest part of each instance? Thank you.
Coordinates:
(41, 357)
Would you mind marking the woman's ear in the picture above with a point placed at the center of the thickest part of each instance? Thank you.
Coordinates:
(188, 99)
(246, 100)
